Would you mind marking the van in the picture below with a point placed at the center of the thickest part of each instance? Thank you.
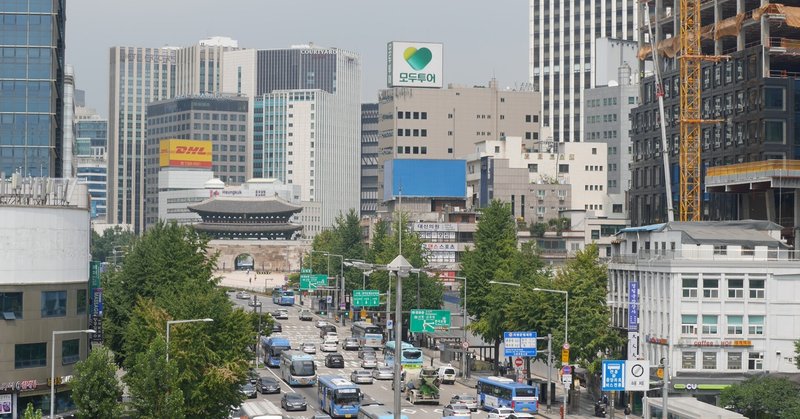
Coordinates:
(447, 374)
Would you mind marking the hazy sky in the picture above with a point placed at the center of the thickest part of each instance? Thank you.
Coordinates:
(482, 38)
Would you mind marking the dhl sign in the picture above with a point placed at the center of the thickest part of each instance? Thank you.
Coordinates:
(185, 153)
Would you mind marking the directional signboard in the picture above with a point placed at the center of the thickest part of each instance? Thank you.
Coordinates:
(637, 375)
(613, 375)
(366, 298)
(429, 320)
(519, 343)
(311, 281)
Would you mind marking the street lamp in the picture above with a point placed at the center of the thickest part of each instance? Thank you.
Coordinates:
(53, 365)
(171, 322)
(401, 267)
(464, 326)
(341, 275)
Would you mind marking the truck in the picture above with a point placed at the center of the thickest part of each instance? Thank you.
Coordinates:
(423, 387)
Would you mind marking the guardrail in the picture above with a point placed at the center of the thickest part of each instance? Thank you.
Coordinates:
(709, 254)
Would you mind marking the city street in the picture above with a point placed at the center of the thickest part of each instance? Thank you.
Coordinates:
(304, 331)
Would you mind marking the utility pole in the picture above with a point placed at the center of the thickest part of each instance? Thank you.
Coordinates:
(549, 370)
(665, 389)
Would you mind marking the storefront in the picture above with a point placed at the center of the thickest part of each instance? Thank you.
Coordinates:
(686, 408)
(16, 395)
(705, 388)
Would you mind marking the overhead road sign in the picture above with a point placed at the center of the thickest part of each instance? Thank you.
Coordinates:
(429, 321)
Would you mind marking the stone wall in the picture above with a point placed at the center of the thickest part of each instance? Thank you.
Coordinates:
(274, 256)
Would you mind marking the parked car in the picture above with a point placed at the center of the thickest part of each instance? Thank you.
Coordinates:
(457, 410)
(293, 401)
(447, 374)
(334, 361)
(468, 400)
(308, 348)
(350, 344)
(268, 385)
(328, 346)
(500, 412)
(277, 328)
(383, 373)
(242, 295)
(305, 315)
(369, 360)
(249, 390)
(361, 377)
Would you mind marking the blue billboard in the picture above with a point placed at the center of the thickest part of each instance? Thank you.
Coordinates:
(420, 178)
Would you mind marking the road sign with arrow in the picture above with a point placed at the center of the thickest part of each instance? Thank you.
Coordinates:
(429, 321)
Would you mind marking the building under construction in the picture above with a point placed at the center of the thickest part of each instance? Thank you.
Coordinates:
(749, 92)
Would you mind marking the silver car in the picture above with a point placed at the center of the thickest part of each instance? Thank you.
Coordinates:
(383, 373)
(456, 410)
(308, 348)
(369, 361)
(361, 377)
(468, 400)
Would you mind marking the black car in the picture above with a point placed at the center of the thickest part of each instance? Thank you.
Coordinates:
(293, 401)
(277, 328)
(268, 385)
(249, 391)
(334, 361)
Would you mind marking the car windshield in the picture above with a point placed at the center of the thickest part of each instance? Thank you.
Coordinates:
(294, 397)
(525, 392)
(347, 396)
(385, 369)
(369, 355)
(465, 398)
(302, 368)
(362, 372)
(248, 387)
(269, 381)
(459, 407)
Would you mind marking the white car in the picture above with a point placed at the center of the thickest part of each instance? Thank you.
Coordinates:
(447, 374)
(308, 348)
(361, 377)
(383, 373)
(333, 336)
(456, 410)
(321, 323)
(328, 346)
(500, 412)
(467, 400)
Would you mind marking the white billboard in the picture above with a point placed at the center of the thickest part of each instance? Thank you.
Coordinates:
(414, 64)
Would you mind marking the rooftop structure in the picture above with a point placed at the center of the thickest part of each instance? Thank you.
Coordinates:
(247, 218)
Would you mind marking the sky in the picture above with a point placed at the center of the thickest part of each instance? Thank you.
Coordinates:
(482, 38)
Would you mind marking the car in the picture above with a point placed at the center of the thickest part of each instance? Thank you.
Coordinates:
(520, 415)
(281, 314)
(277, 328)
(293, 401)
(457, 410)
(325, 329)
(361, 377)
(321, 416)
(308, 348)
(334, 361)
(447, 374)
(500, 412)
(365, 350)
(331, 336)
(305, 315)
(254, 303)
(242, 295)
(369, 361)
(268, 385)
(321, 323)
(252, 375)
(468, 400)
(328, 346)
(350, 344)
(249, 390)
(383, 373)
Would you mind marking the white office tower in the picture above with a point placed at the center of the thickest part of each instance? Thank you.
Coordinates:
(562, 52)
(199, 67)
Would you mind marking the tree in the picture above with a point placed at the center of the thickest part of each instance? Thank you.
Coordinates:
(537, 229)
(31, 412)
(103, 246)
(797, 353)
(95, 388)
(763, 397)
(153, 384)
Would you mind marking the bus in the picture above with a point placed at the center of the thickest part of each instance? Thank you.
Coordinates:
(338, 397)
(504, 392)
(298, 369)
(283, 297)
(410, 356)
(377, 412)
(272, 347)
(368, 334)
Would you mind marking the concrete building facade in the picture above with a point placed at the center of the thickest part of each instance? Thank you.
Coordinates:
(199, 67)
(369, 159)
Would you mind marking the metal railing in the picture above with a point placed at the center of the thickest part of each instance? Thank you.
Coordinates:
(754, 167)
(708, 253)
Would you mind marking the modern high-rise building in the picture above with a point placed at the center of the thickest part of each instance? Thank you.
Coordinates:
(138, 76)
(32, 87)
(199, 67)
(369, 159)
(68, 139)
(562, 54)
(90, 157)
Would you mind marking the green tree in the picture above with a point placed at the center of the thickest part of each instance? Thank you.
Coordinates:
(763, 397)
(32, 413)
(95, 388)
(153, 384)
(537, 229)
(102, 246)
(797, 353)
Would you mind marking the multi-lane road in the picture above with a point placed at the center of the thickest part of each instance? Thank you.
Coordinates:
(305, 331)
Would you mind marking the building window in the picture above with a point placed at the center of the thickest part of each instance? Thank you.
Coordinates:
(54, 303)
(736, 288)
(595, 234)
(423, 115)
(563, 168)
(735, 325)
(533, 168)
(11, 305)
(709, 360)
(399, 132)
(773, 98)
(399, 150)
(710, 287)
(755, 325)
(774, 131)
(616, 208)
(709, 324)
(734, 360)
(81, 301)
(424, 149)
(757, 288)
(689, 287)
(689, 324)
(755, 361)
(30, 355)
(688, 360)
(70, 351)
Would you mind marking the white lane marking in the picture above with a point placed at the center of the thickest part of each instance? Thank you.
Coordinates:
(280, 380)
(384, 388)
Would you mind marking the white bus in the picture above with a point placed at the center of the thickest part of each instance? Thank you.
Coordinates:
(298, 368)
(368, 335)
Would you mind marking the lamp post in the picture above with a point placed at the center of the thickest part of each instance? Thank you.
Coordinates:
(256, 305)
(171, 322)
(53, 365)
(401, 269)
(341, 275)
(464, 365)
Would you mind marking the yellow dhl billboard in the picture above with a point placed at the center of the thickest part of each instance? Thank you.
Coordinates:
(185, 153)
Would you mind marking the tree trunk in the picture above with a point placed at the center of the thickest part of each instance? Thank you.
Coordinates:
(497, 356)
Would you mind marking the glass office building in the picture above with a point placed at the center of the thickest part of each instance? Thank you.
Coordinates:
(31, 86)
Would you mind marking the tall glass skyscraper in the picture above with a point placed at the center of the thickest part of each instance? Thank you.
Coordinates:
(31, 86)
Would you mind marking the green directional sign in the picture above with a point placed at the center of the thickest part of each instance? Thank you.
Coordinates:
(313, 281)
(429, 321)
(366, 298)
(305, 271)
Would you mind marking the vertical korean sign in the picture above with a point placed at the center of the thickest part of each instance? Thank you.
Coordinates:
(96, 300)
(633, 320)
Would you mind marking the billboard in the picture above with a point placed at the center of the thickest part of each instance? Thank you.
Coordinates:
(185, 153)
(412, 178)
(414, 64)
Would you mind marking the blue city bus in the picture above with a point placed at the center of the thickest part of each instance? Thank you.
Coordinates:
(504, 392)
(338, 397)
(410, 356)
(283, 297)
(298, 369)
(368, 335)
(272, 348)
